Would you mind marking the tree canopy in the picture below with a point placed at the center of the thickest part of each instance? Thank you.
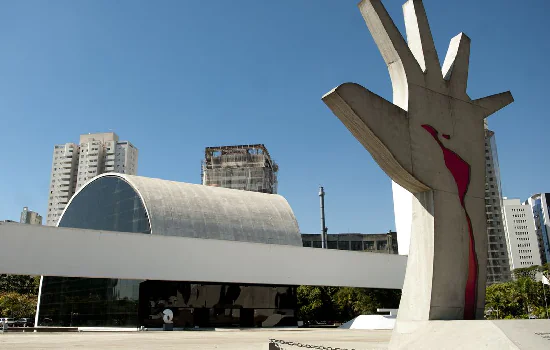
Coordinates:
(341, 304)
(18, 295)
(21, 284)
(521, 298)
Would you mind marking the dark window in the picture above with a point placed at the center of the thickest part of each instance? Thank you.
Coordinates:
(381, 245)
(369, 245)
(215, 305)
(343, 245)
(356, 245)
(332, 244)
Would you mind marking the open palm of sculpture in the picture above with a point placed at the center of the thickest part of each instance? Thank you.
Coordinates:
(431, 138)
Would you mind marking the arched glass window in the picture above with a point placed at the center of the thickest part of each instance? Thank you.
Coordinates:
(108, 203)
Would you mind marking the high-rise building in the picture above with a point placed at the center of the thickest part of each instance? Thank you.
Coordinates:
(244, 167)
(30, 217)
(498, 269)
(73, 165)
(498, 262)
(521, 237)
(540, 204)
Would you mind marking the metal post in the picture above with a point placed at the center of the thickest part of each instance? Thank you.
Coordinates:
(323, 227)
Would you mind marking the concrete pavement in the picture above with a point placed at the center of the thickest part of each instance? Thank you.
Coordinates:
(194, 340)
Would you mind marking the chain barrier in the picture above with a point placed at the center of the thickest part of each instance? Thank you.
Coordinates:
(300, 345)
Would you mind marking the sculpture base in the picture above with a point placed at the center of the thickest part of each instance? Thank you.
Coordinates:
(479, 334)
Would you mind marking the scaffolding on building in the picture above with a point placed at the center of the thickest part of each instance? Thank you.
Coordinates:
(242, 167)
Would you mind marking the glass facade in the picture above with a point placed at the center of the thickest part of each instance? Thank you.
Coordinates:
(111, 204)
(214, 305)
(498, 263)
(541, 225)
(108, 203)
(545, 237)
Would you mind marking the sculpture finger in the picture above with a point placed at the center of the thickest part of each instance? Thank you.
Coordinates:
(389, 40)
(419, 37)
(456, 64)
(493, 103)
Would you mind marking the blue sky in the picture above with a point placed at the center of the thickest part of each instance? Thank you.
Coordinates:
(174, 77)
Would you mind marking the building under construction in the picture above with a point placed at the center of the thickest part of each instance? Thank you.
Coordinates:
(244, 167)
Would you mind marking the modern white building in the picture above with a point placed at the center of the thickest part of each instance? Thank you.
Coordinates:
(243, 290)
(498, 266)
(521, 237)
(540, 204)
(73, 165)
(30, 217)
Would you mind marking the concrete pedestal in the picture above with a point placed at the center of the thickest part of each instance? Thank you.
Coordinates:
(482, 334)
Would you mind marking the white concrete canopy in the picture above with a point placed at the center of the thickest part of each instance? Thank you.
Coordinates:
(68, 252)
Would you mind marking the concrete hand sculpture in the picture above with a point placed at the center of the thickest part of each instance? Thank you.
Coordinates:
(430, 140)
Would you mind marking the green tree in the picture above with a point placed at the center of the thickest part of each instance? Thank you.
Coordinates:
(503, 300)
(353, 302)
(21, 284)
(521, 298)
(17, 305)
(316, 303)
(526, 272)
(342, 304)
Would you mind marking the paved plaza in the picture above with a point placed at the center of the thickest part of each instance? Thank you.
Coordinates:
(203, 340)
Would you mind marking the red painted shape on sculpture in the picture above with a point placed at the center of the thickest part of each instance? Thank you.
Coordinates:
(460, 170)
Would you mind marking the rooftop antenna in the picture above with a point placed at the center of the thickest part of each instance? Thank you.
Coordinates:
(323, 227)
